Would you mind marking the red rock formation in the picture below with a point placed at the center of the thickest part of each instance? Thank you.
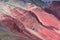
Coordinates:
(23, 16)
(9, 22)
(44, 17)
(31, 23)
(12, 25)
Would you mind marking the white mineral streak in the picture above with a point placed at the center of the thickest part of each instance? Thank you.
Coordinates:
(34, 33)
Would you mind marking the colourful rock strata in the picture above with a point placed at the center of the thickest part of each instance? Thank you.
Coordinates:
(33, 23)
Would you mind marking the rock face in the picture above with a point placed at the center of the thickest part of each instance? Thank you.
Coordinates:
(31, 24)
(10, 23)
(44, 17)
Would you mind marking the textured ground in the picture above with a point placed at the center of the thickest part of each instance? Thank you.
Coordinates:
(32, 23)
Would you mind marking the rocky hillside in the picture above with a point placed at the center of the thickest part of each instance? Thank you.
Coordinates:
(35, 22)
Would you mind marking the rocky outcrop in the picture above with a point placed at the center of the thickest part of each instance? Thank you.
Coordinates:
(44, 17)
(38, 21)
(35, 22)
